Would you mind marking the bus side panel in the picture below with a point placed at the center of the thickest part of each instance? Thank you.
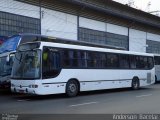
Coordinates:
(93, 79)
(89, 79)
(51, 88)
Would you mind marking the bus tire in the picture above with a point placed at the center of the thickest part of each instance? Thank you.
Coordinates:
(72, 88)
(135, 83)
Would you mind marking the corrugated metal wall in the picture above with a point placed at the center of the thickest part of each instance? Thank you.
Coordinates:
(58, 24)
(59, 5)
(19, 8)
(54, 5)
(140, 30)
(75, 10)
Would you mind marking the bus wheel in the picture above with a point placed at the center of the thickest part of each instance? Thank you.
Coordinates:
(72, 88)
(135, 83)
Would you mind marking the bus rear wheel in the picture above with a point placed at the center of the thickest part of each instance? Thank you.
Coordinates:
(72, 88)
(135, 83)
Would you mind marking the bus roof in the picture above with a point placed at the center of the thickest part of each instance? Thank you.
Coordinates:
(61, 45)
(80, 44)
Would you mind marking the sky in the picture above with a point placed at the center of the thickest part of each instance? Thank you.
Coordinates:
(142, 4)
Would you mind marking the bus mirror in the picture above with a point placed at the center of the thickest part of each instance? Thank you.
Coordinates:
(10, 58)
(7, 60)
(11, 55)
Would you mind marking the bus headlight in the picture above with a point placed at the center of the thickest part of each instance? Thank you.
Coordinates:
(33, 86)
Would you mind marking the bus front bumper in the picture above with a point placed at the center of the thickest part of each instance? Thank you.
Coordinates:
(23, 90)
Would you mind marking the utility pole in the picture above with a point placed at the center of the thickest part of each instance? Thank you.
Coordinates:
(40, 13)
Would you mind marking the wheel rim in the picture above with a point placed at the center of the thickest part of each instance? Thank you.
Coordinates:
(135, 84)
(72, 88)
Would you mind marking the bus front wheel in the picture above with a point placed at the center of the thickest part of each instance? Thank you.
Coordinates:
(72, 88)
(135, 83)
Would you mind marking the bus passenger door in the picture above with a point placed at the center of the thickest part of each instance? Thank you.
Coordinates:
(51, 63)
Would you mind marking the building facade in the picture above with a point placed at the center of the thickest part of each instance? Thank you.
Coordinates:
(98, 21)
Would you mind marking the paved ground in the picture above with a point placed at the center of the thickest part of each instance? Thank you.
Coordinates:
(145, 100)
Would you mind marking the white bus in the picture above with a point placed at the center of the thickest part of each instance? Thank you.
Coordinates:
(157, 67)
(46, 67)
(7, 51)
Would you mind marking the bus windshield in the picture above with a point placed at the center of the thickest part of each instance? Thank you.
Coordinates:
(27, 65)
(5, 67)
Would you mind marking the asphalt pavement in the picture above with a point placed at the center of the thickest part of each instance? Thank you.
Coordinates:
(126, 101)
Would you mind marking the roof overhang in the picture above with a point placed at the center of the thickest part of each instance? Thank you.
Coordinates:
(110, 12)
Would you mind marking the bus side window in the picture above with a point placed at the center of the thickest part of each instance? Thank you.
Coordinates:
(65, 58)
(145, 61)
(124, 61)
(132, 62)
(157, 60)
(112, 61)
(150, 63)
(103, 60)
(81, 59)
(142, 62)
(139, 62)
